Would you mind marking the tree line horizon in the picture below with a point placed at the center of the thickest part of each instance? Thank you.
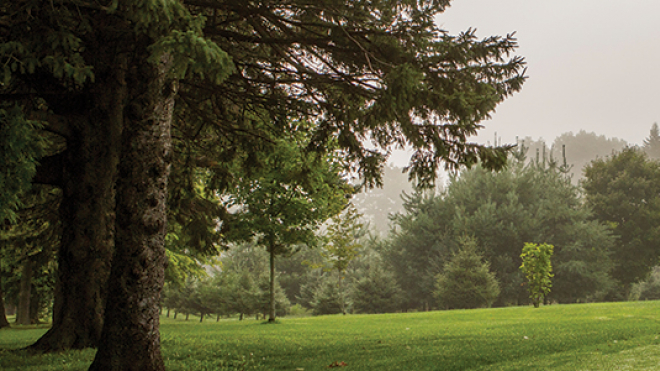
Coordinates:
(400, 271)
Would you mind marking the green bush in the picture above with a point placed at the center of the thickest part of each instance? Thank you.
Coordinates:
(377, 292)
(466, 281)
(537, 267)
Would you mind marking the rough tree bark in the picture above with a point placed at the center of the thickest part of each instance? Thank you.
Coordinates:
(131, 339)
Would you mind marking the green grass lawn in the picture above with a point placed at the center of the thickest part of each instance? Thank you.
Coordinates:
(620, 336)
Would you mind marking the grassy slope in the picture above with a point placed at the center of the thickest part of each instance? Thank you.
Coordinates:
(573, 337)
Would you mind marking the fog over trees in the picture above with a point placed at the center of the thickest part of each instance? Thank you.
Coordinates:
(476, 226)
(164, 106)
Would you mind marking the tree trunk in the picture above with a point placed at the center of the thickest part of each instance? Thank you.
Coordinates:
(3, 315)
(175, 313)
(131, 338)
(271, 317)
(89, 167)
(35, 306)
(201, 317)
(341, 293)
(23, 314)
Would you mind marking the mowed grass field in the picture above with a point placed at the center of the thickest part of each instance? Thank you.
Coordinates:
(613, 336)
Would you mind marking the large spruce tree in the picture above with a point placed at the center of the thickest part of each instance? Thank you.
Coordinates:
(104, 75)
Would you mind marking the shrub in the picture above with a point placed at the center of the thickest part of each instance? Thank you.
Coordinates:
(537, 267)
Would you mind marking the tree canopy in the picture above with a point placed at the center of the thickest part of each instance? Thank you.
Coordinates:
(652, 143)
(134, 86)
(623, 191)
(502, 211)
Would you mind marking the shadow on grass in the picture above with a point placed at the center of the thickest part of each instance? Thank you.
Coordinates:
(275, 322)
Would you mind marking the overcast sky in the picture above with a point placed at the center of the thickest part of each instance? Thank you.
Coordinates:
(592, 65)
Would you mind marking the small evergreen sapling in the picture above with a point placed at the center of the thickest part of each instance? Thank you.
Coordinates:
(466, 281)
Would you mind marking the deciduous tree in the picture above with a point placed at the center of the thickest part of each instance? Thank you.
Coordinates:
(283, 205)
(537, 267)
(342, 244)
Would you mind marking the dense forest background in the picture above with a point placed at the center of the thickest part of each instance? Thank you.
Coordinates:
(399, 247)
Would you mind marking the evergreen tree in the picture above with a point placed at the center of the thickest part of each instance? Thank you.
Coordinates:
(652, 143)
(623, 192)
(295, 272)
(328, 299)
(27, 253)
(376, 292)
(417, 246)
(313, 281)
(106, 79)
(244, 295)
(525, 202)
(581, 148)
(466, 281)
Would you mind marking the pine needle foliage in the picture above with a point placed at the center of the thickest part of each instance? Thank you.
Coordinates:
(466, 281)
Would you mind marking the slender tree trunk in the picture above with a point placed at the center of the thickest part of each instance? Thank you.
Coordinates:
(271, 317)
(23, 314)
(175, 313)
(131, 338)
(168, 313)
(3, 315)
(341, 293)
(187, 316)
(201, 317)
